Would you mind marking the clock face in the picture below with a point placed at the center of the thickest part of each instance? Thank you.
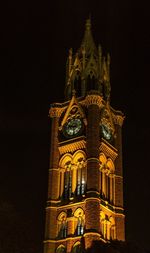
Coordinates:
(106, 132)
(73, 127)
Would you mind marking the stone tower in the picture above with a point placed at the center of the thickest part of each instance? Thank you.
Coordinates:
(85, 184)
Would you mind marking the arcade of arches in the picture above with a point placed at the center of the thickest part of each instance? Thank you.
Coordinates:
(73, 176)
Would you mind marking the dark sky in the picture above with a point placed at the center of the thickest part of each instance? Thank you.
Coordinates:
(35, 38)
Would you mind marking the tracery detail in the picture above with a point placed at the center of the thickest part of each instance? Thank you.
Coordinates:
(72, 175)
(106, 178)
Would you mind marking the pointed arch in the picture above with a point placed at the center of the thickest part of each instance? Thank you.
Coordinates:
(79, 221)
(61, 249)
(110, 165)
(79, 159)
(106, 176)
(112, 228)
(62, 225)
(65, 166)
(76, 248)
(73, 103)
(77, 155)
(102, 223)
(64, 160)
(110, 180)
(77, 83)
(102, 158)
(78, 212)
(91, 81)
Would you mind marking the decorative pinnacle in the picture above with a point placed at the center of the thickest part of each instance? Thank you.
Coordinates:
(88, 24)
(73, 92)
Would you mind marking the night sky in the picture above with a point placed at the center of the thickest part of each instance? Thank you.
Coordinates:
(35, 39)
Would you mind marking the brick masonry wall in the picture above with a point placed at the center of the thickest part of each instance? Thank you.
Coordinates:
(93, 147)
(92, 214)
(54, 179)
(118, 146)
(89, 238)
(120, 228)
(49, 247)
(119, 191)
(51, 224)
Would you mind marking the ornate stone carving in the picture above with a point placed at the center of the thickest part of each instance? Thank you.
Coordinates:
(55, 112)
(71, 147)
(74, 110)
(118, 119)
(93, 100)
(109, 151)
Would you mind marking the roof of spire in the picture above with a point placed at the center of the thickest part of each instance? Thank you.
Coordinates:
(88, 43)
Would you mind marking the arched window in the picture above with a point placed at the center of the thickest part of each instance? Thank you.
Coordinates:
(77, 84)
(61, 249)
(110, 175)
(65, 185)
(107, 226)
(77, 248)
(72, 175)
(106, 178)
(80, 226)
(79, 221)
(62, 225)
(112, 228)
(102, 223)
(103, 161)
(67, 180)
(80, 174)
(91, 82)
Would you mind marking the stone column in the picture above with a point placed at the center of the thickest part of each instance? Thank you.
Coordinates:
(61, 183)
(111, 188)
(70, 226)
(92, 206)
(93, 147)
(100, 185)
(104, 183)
(118, 145)
(53, 185)
(74, 178)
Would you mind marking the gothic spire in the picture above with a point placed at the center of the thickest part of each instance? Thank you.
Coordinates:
(88, 70)
(88, 43)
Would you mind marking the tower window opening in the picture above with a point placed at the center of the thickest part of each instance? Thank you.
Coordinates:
(80, 227)
(77, 84)
(68, 182)
(91, 82)
(79, 222)
(81, 185)
(63, 231)
(83, 188)
(78, 189)
(62, 226)
(61, 249)
(77, 249)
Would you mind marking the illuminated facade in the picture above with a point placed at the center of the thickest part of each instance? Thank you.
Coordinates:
(85, 186)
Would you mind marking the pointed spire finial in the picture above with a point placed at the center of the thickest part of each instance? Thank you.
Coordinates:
(73, 92)
(88, 23)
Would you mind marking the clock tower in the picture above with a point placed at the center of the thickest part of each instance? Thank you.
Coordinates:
(85, 184)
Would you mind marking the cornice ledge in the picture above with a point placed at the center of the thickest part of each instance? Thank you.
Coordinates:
(118, 119)
(71, 147)
(55, 112)
(92, 100)
(108, 151)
